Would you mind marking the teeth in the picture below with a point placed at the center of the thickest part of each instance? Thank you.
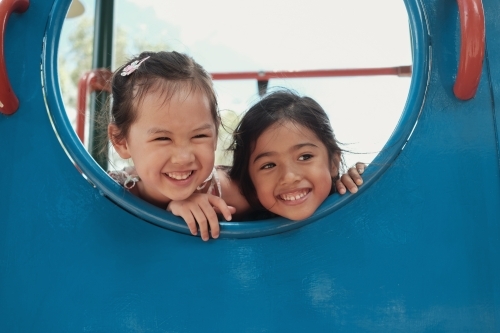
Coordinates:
(179, 175)
(295, 196)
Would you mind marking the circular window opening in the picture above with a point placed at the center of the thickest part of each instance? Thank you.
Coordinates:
(358, 66)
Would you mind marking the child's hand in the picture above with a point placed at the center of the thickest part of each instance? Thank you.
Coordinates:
(351, 180)
(201, 209)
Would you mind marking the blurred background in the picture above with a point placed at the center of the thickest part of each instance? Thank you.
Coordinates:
(256, 36)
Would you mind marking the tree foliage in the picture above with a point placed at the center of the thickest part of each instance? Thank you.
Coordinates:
(77, 58)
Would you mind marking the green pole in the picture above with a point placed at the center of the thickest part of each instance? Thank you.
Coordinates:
(102, 57)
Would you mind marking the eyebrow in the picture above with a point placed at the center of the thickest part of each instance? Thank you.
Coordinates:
(296, 147)
(155, 130)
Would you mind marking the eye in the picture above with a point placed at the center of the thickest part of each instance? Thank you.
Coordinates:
(198, 136)
(305, 157)
(268, 166)
(162, 138)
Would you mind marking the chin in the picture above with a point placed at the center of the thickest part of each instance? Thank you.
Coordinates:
(297, 217)
(177, 196)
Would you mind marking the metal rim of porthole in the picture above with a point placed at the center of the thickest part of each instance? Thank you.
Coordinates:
(108, 188)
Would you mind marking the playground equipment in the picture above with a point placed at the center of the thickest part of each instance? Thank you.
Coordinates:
(416, 250)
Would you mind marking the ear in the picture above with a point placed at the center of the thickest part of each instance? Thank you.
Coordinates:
(334, 172)
(120, 145)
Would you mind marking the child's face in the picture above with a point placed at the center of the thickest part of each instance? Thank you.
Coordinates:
(172, 145)
(291, 171)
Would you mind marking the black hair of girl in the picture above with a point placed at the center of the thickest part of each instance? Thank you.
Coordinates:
(278, 106)
(166, 71)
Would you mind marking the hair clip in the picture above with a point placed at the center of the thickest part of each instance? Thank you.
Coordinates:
(129, 69)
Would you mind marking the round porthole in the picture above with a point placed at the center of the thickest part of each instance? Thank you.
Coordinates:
(103, 183)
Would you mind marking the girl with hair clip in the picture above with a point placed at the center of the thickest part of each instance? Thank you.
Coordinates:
(286, 158)
(164, 116)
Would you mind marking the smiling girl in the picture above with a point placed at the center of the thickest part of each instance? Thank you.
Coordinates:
(286, 157)
(165, 118)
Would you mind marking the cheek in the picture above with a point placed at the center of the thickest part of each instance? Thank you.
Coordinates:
(257, 184)
(264, 188)
(327, 187)
(210, 156)
(206, 150)
(144, 160)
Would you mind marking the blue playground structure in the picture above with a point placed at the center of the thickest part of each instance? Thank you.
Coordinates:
(417, 249)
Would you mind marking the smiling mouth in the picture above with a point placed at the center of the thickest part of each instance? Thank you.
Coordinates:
(179, 175)
(292, 196)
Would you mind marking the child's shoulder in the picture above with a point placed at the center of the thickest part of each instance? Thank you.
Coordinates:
(127, 177)
(230, 190)
(223, 175)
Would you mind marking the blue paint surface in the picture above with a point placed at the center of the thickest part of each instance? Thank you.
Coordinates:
(416, 250)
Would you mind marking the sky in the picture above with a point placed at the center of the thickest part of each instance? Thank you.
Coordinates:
(278, 35)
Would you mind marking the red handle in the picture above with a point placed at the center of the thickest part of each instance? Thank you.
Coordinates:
(471, 48)
(8, 100)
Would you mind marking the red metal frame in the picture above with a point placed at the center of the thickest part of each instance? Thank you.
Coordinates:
(99, 80)
(8, 100)
(266, 76)
(472, 37)
(95, 80)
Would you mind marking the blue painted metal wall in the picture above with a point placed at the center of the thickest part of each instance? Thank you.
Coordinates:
(417, 250)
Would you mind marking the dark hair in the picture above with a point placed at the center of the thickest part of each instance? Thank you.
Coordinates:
(168, 71)
(279, 106)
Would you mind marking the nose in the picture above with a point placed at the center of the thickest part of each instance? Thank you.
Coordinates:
(182, 155)
(290, 175)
